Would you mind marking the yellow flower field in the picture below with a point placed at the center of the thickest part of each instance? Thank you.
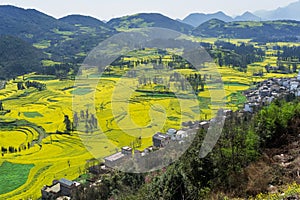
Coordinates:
(123, 115)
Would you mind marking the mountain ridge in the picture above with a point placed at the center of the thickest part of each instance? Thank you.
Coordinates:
(280, 30)
(289, 12)
(247, 16)
(84, 20)
(142, 20)
(195, 19)
(73, 36)
(57, 37)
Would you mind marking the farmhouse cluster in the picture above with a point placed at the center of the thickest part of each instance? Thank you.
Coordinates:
(267, 91)
(64, 188)
(160, 141)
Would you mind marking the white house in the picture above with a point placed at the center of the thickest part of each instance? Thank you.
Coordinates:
(181, 135)
(298, 77)
(294, 85)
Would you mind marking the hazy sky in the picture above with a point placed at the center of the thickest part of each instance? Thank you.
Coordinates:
(107, 9)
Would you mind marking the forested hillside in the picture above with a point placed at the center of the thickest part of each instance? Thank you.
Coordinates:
(282, 30)
(18, 57)
(60, 39)
(144, 20)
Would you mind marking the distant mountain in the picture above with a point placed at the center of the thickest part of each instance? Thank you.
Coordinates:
(196, 19)
(70, 37)
(290, 12)
(247, 16)
(143, 20)
(18, 57)
(261, 31)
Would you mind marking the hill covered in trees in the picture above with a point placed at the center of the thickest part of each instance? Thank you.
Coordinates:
(144, 20)
(71, 38)
(18, 57)
(60, 39)
(30, 25)
(85, 21)
(282, 30)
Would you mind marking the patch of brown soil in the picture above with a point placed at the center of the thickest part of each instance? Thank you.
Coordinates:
(279, 165)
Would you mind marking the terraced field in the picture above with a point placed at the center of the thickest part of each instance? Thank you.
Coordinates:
(50, 156)
(116, 104)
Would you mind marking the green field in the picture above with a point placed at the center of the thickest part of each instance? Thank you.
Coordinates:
(13, 175)
(81, 91)
(32, 114)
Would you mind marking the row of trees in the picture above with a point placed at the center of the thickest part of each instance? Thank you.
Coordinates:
(28, 84)
(84, 117)
(286, 52)
(12, 149)
(62, 71)
(158, 61)
(35, 84)
(195, 81)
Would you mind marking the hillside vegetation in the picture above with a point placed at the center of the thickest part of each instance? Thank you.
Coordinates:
(18, 57)
(282, 30)
(60, 39)
(144, 20)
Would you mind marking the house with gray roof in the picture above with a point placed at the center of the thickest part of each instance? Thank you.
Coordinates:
(114, 159)
(62, 187)
(160, 140)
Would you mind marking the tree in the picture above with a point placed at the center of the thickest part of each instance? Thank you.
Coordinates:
(294, 67)
(1, 106)
(20, 86)
(75, 119)
(68, 124)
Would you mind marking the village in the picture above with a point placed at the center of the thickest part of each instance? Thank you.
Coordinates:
(150, 158)
(267, 91)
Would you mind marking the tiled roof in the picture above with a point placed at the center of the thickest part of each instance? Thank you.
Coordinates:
(115, 157)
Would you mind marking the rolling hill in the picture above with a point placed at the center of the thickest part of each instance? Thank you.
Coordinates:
(71, 38)
(60, 39)
(86, 21)
(30, 25)
(195, 19)
(144, 20)
(261, 31)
